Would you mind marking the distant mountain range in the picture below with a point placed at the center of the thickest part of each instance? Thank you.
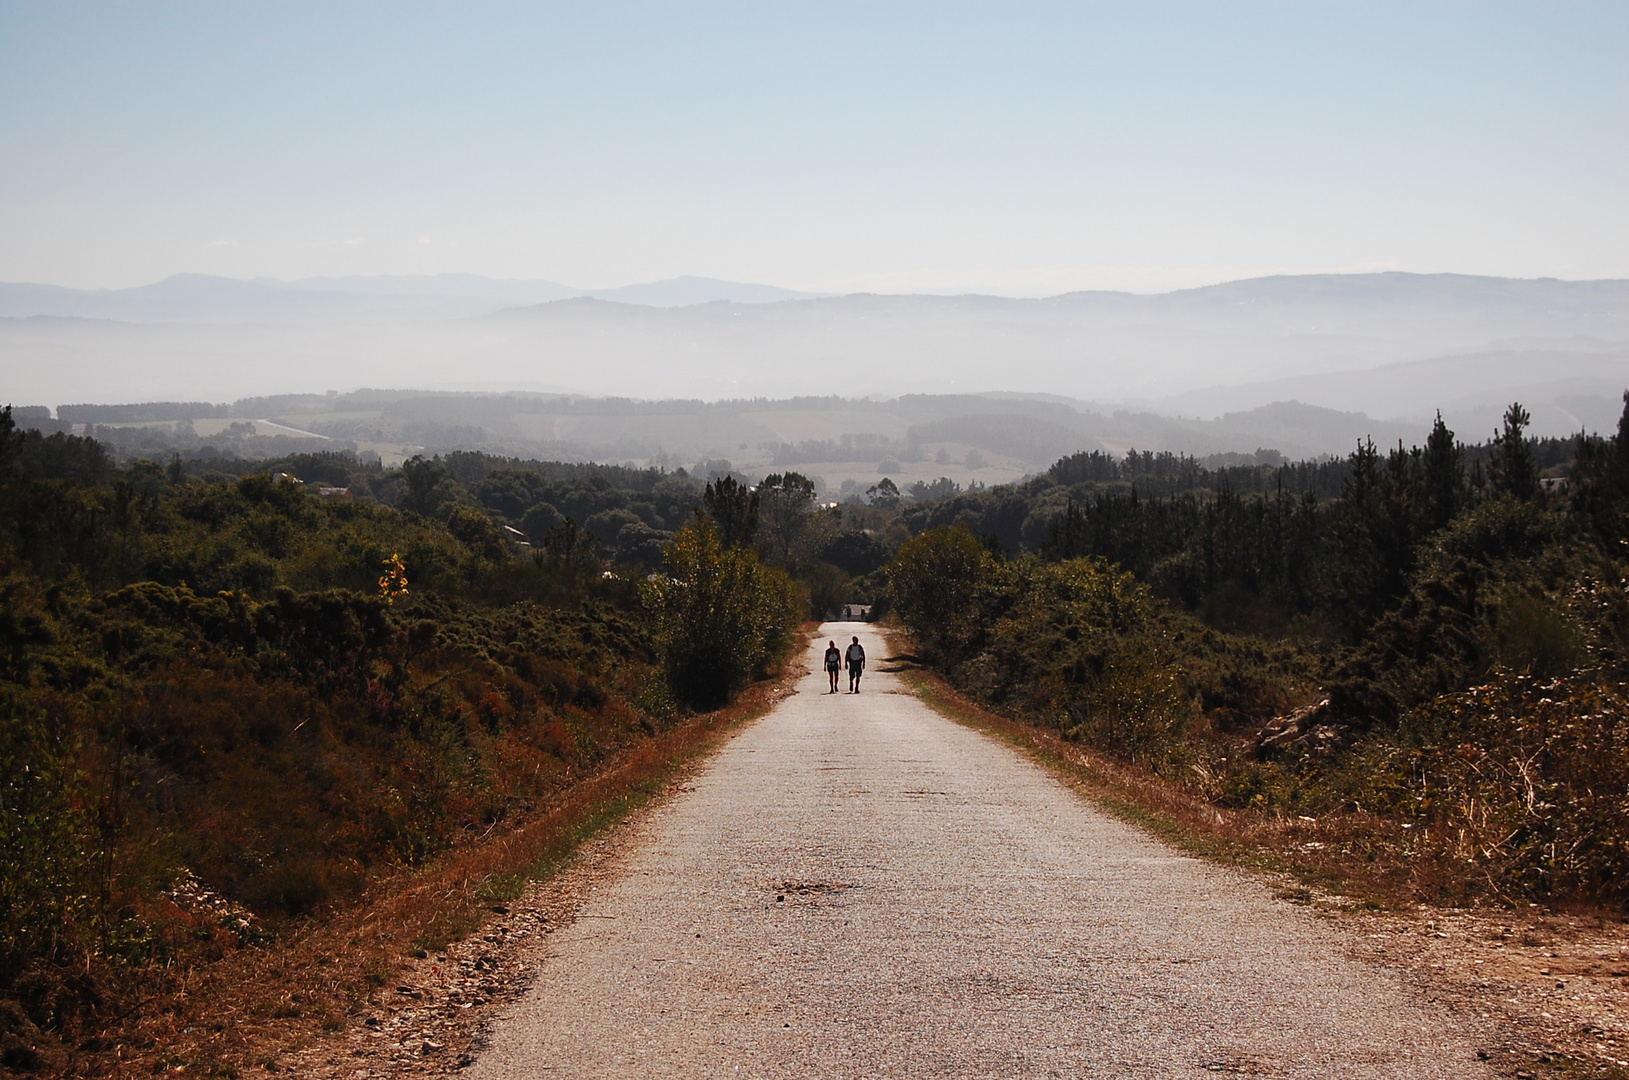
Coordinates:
(202, 298)
(689, 291)
(1393, 346)
(1565, 388)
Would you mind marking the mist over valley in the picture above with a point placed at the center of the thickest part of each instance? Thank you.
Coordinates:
(695, 368)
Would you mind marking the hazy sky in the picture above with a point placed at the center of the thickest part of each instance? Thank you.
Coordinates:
(1017, 148)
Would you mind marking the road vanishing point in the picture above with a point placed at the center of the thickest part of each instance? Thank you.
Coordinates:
(855, 886)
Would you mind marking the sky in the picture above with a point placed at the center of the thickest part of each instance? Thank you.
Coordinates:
(1015, 148)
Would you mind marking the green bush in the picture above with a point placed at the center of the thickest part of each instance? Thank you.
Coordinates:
(1079, 643)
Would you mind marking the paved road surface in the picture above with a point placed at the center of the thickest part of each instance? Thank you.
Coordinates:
(857, 887)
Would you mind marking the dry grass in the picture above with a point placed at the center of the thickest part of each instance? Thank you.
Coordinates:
(244, 1010)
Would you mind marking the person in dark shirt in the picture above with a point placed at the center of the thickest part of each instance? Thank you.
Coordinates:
(834, 661)
(854, 660)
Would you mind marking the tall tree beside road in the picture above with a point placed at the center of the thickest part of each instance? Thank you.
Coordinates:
(935, 580)
(734, 510)
(1444, 476)
(721, 615)
(784, 502)
(1514, 468)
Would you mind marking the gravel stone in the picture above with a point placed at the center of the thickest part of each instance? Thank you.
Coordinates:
(855, 886)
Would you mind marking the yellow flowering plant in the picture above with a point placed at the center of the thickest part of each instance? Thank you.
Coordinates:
(393, 582)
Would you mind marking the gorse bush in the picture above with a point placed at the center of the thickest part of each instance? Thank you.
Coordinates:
(1073, 644)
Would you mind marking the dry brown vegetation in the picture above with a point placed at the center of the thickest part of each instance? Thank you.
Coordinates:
(1552, 983)
(256, 743)
(252, 1009)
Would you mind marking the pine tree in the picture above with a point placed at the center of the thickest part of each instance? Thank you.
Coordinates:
(1513, 467)
(1444, 475)
(1620, 450)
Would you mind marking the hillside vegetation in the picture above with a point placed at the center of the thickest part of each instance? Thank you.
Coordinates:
(228, 704)
(1429, 667)
(236, 696)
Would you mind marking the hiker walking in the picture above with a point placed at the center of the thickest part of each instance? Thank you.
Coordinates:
(854, 660)
(834, 661)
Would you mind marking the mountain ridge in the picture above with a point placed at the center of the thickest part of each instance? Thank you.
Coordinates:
(32, 298)
(214, 297)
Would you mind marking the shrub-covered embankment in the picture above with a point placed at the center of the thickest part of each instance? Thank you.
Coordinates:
(1462, 734)
(232, 710)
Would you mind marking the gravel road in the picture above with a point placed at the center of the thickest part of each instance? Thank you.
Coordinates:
(857, 887)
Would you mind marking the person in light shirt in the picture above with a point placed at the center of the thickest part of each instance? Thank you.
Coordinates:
(854, 660)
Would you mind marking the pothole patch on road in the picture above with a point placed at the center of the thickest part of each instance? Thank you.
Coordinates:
(1236, 1066)
(799, 887)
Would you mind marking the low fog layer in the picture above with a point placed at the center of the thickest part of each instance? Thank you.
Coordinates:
(1393, 347)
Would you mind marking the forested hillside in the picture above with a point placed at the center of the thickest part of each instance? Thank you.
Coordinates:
(1421, 652)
